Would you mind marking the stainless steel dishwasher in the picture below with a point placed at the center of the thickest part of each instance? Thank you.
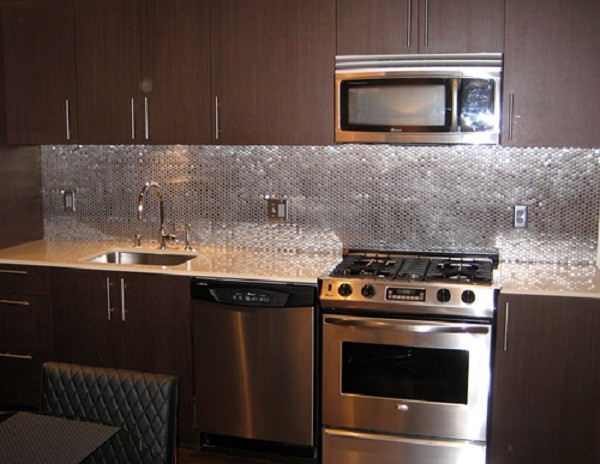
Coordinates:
(254, 357)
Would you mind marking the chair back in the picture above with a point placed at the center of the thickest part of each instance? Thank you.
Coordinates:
(143, 404)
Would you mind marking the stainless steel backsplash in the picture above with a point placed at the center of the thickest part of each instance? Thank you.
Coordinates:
(457, 198)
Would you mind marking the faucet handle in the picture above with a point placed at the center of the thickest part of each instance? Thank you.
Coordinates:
(188, 237)
(137, 240)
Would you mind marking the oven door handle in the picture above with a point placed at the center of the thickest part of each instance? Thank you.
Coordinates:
(418, 327)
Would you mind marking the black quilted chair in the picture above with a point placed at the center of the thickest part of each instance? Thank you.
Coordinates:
(143, 404)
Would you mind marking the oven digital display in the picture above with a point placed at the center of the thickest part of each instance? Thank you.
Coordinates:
(405, 294)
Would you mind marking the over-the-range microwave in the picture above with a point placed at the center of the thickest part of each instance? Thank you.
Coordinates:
(422, 99)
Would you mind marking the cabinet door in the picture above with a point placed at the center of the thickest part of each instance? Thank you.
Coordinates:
(461, 26)
(86, 317)
(551, 70)
(272, 71)
(545, 399)
(176, 71)
(39, 66)
(157, 332)
(110, 109)
(378, 27)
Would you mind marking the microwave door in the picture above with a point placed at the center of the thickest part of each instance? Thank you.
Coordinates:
(398, 105)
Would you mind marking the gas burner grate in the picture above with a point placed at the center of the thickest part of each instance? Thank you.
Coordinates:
(461, 270)
(414, 269)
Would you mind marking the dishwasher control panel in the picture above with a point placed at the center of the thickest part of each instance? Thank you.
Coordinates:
(249, 297)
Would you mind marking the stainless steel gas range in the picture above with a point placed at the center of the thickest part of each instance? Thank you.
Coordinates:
(407, 357)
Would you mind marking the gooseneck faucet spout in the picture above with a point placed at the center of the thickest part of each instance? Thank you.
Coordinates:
(163, 235)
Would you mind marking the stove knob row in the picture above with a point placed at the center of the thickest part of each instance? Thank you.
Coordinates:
(368, 291)
(468, 296)
(345, 289)
(443, 295)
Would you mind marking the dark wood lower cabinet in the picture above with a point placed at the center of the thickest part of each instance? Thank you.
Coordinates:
(130, 321)
(546, 392)
(25, 333)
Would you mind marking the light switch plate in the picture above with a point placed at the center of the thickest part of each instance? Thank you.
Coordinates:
(520, 217)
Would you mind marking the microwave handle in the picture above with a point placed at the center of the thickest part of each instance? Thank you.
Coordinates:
(511, 114)
(454, 120)
(405, 326)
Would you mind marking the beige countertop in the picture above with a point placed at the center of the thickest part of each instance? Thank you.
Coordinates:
(550, 279)
(300, 267)
(232, 263)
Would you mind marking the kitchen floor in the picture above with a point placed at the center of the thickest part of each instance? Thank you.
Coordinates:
(191, 456)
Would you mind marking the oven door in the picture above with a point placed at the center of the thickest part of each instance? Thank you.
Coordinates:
(415, 377)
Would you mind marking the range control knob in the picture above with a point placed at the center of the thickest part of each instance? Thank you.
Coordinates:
(368, 291)
(443, 295)
(345, 290)
(468, 296)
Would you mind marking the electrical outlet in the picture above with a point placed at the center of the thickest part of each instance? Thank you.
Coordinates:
(520, 216)
(278, 209)
(68, 200)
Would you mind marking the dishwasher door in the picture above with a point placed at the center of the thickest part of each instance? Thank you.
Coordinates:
(254, 360)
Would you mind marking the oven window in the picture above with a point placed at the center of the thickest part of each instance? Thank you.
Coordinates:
(405, 372)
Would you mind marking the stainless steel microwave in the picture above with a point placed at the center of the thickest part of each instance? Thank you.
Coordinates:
(421, 99)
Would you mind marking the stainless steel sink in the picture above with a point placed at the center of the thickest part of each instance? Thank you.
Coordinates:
(141, 257)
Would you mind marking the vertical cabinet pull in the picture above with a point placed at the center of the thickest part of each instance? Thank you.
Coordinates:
(217, 129)
(146, 120)
(123, 310)
(511, 114)
(506, 313)
(427, 23)
(109, 308)
(132, 120)
(409, 24)
(68, 117)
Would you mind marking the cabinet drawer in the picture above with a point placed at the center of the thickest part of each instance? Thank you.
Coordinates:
(25, 322)
(20, 374)
(24, 280)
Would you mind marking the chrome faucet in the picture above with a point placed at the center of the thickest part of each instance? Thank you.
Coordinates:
(164, 236)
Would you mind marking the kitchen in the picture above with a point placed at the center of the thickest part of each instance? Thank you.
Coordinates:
(369, 196)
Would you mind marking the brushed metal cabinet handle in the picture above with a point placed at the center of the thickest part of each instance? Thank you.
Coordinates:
(217, 129)
(511, 115)
(8, 271)
(109, 309)
(427, 23)
(16, 356)
(146, 120)
(506, 313)
(409, 24)
(123, 310)
(14, 302)
(68, 117)
(132, 120)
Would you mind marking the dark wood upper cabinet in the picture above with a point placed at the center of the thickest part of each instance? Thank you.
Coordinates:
(545, 397)
(108, 71)
(272, 71)
(551, 69)
(143, 71)
(461, 26)
(175, 80)
(419, 26)
(39, 71)
(379, 27)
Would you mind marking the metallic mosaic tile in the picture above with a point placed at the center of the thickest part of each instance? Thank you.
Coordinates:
(427, 198)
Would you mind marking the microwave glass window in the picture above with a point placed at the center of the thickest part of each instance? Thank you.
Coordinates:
(397, 105)
(477, 112)
(405, 372)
